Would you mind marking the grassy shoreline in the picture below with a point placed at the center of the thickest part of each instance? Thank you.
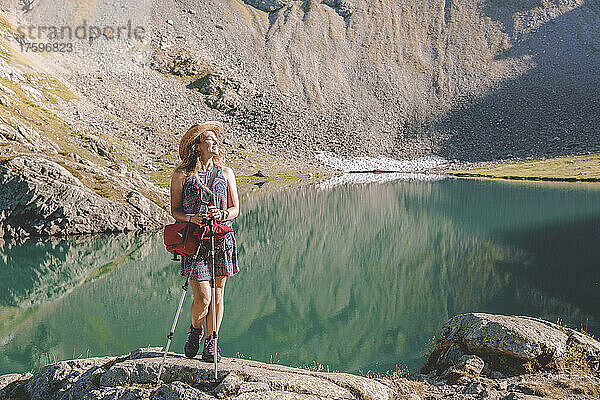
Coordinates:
(573, 168)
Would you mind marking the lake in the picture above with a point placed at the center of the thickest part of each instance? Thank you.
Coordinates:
(355, 278)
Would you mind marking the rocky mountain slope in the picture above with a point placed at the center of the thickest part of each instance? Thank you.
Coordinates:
(469, 80)
(466, 80)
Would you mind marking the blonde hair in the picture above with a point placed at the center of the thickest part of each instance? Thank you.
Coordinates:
(191, 156)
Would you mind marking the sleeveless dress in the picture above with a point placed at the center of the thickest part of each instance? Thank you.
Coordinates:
(193, 198)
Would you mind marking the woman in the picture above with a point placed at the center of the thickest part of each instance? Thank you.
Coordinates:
(199, 151)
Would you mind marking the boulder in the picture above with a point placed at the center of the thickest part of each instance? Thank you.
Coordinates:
(344, 8)
(509, 344)
(467, 365)
(267, 5)
(135, 376)
(42, 198)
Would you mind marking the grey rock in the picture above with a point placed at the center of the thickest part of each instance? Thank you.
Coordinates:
(510, 344)
(98, 145)
(452, 355)
(42, 198)
(147, 209)
(496, 375)
(143, 352)
(178, 391)
(56, 379)
(117, 375)
(11, 134)
(466, 366)
(491, 395)
(13, 385)
(343, 7)
(225, 91)
(178, 62)
(253, 387)
(229, 385)
(116, 393)
(6, 380)
(502, 385)
(134, 377)
(276, 395)
(267, 5)
(521, 396)
(474, 388)
(472, 364)
(359, 384)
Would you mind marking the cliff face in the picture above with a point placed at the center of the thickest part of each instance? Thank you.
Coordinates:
(467, 79)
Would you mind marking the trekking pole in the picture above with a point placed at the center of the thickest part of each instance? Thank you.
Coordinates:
(213, 293)
(181, 299)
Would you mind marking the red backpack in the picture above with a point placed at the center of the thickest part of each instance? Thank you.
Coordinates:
(182, 238)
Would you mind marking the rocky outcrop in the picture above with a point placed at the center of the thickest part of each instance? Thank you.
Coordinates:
(41, 198)
(470, 344)
(267, 5)
(135, 377)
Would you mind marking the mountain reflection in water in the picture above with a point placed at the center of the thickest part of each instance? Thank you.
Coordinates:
(356, 277)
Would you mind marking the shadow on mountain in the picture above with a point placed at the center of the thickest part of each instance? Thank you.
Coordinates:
(561, 267)
(551, 109)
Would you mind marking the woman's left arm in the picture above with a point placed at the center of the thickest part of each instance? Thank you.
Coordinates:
(233, 201)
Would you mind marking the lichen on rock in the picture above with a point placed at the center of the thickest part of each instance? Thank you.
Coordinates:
(509, 344)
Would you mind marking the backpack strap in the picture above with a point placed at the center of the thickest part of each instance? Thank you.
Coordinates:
(211, 179)
(212, 176)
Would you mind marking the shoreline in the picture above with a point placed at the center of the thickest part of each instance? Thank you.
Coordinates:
(569, 168)
(258, 175)
(521, 178)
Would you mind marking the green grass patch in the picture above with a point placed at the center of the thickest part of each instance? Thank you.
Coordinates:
(575, 168)
(73, 171)
(4, 24)
(162, 176)
(103, 187)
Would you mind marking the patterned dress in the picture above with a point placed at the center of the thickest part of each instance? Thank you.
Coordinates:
(194, 200)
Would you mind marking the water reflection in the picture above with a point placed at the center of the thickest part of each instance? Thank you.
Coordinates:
(355, 277)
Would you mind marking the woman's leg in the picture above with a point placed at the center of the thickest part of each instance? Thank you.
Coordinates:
(220, 292)
(201, 302)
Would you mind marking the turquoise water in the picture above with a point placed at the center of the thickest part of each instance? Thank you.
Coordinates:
(356, 278)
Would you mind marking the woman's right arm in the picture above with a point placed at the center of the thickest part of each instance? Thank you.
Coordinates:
(177, 180)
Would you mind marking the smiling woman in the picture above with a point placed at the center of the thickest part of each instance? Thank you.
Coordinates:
(197, 193)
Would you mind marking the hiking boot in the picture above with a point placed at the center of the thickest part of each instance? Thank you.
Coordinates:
(209, 350)
(193, 343)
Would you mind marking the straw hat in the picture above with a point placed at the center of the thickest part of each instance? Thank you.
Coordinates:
(192, 134)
